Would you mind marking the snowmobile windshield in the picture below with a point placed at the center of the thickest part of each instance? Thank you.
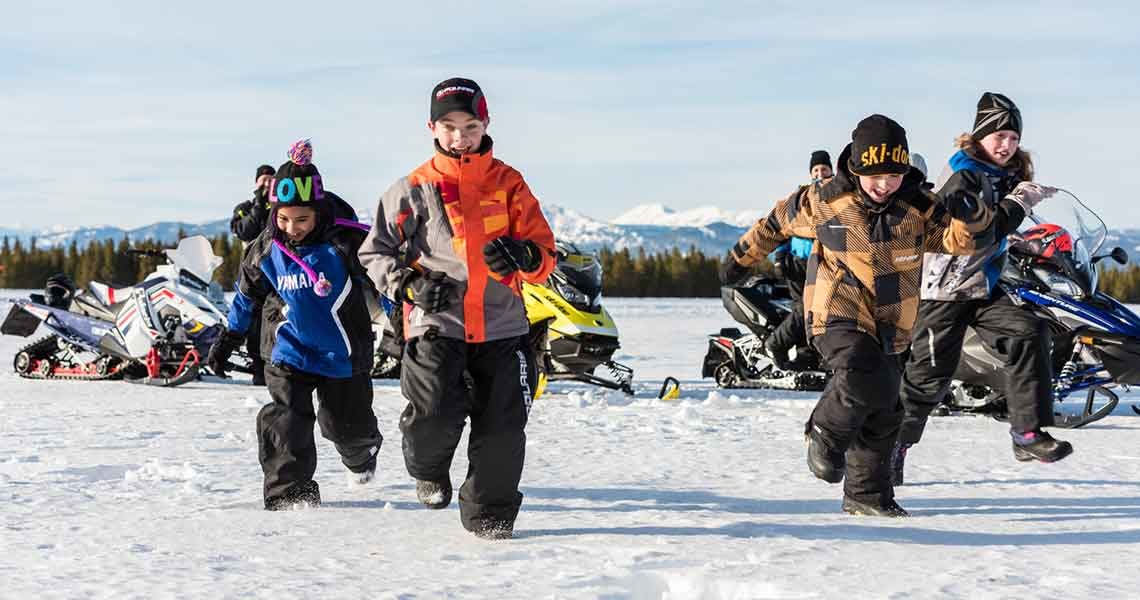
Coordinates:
(1073, 273)
(582, 271)
(578, 279)
(195, 255)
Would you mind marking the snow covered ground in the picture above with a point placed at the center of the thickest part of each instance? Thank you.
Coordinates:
(112, 490)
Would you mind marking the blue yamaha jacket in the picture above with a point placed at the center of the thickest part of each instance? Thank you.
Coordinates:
(314, 314)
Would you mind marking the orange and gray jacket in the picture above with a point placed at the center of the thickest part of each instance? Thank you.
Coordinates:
(438, 218)
(865, 269)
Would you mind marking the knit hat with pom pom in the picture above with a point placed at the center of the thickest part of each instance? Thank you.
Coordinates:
(297, 180)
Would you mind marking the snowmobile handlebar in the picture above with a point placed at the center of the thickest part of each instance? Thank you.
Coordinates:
(146, 252)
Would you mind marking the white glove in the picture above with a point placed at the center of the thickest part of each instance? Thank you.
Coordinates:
(1029, 194)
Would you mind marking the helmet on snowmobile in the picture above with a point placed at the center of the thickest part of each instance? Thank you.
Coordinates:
(577, 277)
(58, 291)
(1055, 260)
(1042, 242)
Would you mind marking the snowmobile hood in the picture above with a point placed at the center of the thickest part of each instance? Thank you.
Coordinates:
(544, 303)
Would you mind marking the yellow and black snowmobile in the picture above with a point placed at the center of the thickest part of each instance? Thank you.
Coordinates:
(570, 329)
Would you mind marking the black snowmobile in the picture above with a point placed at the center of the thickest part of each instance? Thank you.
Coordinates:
(737, 360)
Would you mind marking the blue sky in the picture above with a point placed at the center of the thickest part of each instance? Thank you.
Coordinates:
(137, 112)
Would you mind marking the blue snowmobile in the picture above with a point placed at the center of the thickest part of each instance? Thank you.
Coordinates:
(1051, 270)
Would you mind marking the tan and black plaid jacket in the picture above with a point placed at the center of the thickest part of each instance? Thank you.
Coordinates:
(866, 265)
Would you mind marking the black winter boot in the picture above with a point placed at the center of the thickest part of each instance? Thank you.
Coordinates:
(434, 494)
(890, 508)
(824, 463)
(1039, 445)
(779, 356)
(306, 495)
(494, 530)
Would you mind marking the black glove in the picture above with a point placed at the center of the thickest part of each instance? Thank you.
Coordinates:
(732, 272)
(963, 194)
(431, 292)
(506, 255)
(218, 359)
(259, 206)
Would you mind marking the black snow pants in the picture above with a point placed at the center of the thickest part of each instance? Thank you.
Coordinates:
(287, 449)
(792, 331)
(1013, 334)
(859, 411)
(503, 379)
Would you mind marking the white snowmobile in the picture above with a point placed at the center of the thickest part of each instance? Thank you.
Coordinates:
(156, 332)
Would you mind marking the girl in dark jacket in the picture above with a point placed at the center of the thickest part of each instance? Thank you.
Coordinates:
(959, 292)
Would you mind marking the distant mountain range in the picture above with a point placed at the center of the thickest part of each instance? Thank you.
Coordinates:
(652, 227)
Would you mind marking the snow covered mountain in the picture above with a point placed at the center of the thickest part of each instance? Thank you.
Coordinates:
(659, 214)
(652, 227)
(166, 231)
(590, 234)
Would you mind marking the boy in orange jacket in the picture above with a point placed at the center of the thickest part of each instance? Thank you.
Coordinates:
(454, 241)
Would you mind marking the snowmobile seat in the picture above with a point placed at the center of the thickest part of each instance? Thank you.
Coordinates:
(107, 294)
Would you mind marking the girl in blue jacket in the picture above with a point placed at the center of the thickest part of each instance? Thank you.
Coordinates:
(302, 272)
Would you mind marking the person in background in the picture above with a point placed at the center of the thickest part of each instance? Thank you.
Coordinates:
(248, 221)
(791, 259)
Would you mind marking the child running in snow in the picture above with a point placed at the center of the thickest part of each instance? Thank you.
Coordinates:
(872, 223)
(303, 273)
(960, 292)
(454, 241)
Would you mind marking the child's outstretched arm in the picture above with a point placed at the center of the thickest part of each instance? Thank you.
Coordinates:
(792, 216)
(962, 223)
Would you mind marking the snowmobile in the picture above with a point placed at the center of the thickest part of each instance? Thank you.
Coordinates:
(737, 360)
(157, 332)
(570, 329)
(1051, 271)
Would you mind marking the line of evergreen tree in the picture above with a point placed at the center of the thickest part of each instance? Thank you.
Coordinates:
(668, 274)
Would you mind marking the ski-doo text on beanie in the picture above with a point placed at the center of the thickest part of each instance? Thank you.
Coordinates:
(820, 157)
(878, 147)
(995, 113)
(458, 94)
(297, 180)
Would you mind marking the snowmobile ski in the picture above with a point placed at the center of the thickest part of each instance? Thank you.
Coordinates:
(670, 389)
